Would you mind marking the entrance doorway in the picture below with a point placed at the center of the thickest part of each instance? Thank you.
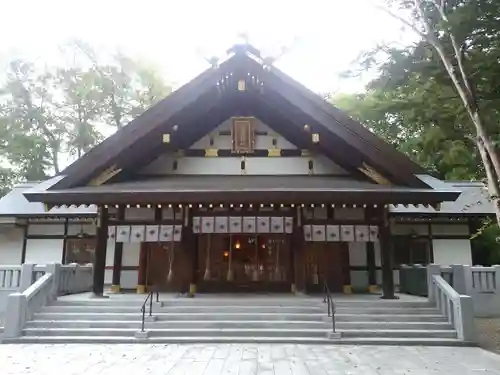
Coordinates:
(240, 262)
(325, 261)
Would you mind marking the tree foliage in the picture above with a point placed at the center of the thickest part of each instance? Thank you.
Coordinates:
(52, 113)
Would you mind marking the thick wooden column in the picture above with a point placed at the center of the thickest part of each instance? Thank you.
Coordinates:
(386, 255)
(143, 265)
(100, 251)
(346, 268)
(297, 270)
(189, 245)
(118, 257)
(370, 262)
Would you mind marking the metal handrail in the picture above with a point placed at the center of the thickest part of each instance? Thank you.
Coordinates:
(149, 298)
(327, 298)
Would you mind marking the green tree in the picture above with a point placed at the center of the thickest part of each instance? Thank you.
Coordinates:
(464, 36)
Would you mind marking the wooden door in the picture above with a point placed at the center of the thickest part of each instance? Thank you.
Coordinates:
(157, 269)
(323, 262)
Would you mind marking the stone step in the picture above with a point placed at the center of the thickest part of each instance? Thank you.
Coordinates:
(403, 333)
(385, 310)
(187, 309)
(161, 324)
(227, 332)
(393, 325)
(136, 324)
(381, 303)
(299, 302)
(137, 316)
(389, 317)
(217, 340)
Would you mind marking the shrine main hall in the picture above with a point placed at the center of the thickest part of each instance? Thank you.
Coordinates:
(243, 180)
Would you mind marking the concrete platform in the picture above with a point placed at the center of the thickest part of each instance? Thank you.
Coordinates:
(244, 359)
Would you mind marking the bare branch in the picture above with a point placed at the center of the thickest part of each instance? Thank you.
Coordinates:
(402, 19)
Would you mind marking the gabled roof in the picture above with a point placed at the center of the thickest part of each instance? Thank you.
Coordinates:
(14, 204)
(210, 98)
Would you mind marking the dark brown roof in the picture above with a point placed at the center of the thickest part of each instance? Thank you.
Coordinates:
(243, 189)
(201, 105)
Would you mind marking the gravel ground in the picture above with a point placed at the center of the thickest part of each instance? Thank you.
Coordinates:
(488, 330)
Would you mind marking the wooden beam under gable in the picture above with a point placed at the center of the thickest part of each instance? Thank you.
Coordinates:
(374, 175)
(105, 176)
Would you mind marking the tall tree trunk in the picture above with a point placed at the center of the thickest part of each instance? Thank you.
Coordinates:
(462, 83)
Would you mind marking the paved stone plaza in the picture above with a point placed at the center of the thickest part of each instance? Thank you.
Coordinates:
(243, 359)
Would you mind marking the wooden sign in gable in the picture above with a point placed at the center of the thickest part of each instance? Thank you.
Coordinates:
(242, 135)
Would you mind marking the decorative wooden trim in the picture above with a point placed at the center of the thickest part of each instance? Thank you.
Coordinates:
(374, 175)
(274, 152)
(211, 152)
(242, 133)
(106, 175)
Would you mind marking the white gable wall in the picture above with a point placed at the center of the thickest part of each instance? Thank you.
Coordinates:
(293, 165)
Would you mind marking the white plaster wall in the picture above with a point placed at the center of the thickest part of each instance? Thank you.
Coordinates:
(128, 279)
(357, 253)
(46, 229)
(130, 258)
(359, 280)
(448, 252)
(110, 255)
(450, 229)
(44, 251)
(293, 165)
(11, 243)
(357, 257)
(224, 141)
(231, 165)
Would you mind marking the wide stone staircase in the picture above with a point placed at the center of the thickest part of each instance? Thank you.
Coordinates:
(211, 318)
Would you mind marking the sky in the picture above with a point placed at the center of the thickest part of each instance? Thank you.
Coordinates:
(323, 37)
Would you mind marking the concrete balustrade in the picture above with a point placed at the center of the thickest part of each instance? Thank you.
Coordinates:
(457, 308)
(37, 286)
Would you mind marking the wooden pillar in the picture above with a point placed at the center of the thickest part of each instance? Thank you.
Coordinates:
(143, 265)
(65, 241)
(25, 242)
(370, 262)
(189, 245)
(297, 270)
(296, 246)
(100, 251)
(346, 268)
(118, 257)
(386, 255)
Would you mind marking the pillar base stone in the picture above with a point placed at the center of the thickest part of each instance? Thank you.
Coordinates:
(372, 289)
(192, 290)
(293, 289)
(347, 289)
(115, 288)
(141, 289)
